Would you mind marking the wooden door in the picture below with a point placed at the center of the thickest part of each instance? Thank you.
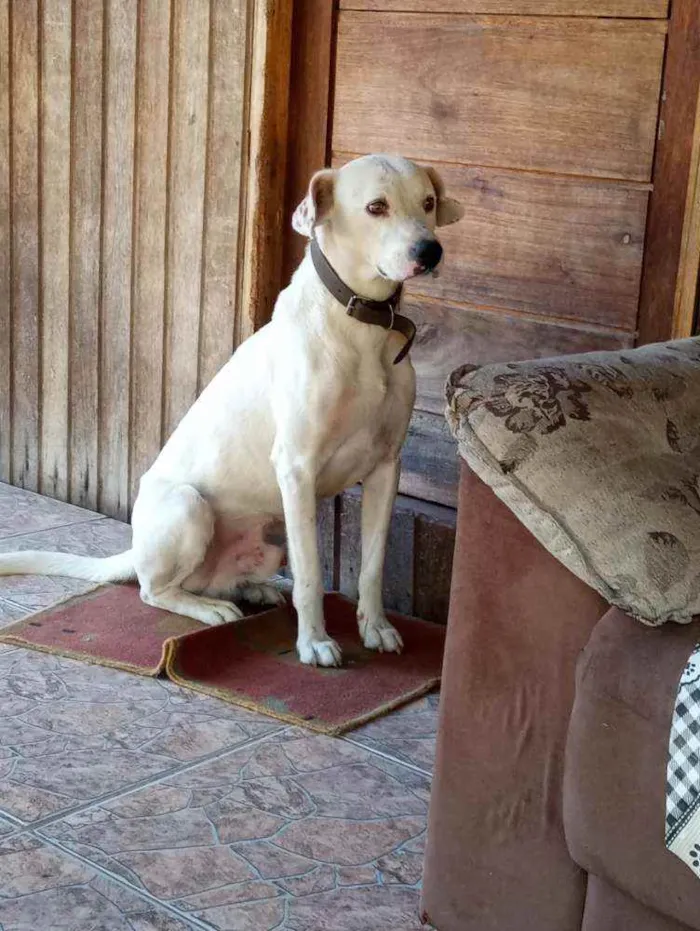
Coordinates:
(542, 118)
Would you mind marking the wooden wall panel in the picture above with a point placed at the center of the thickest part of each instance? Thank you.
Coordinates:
(117, 223)
(85, 238)
(188, 127)
(5, 250)
(123, 153)
(544, 94)
(55, 244)
(644, 9)
(24, 164)
(452, 334)
(220, 278)
(545, 245)
(150, 216)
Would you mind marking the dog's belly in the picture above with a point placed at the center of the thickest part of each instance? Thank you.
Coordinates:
(244, 549)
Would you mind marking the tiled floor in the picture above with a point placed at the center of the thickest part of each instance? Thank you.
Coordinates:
(129, 803)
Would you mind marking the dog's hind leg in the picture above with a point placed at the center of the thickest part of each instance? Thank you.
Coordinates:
(173, 525)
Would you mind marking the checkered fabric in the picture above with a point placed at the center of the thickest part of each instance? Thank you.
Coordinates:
(683, 772)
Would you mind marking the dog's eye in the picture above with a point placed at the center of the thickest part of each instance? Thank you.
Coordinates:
(378, 208)
(429, 204)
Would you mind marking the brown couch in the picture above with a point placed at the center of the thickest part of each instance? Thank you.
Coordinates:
(547, 810)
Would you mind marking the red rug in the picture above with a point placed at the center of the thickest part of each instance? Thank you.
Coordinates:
(251, 662)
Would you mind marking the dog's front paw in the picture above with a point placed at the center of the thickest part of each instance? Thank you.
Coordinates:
(379, 634)
(319, 652)
(261, 593)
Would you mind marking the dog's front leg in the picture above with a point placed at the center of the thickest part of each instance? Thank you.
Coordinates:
(378, 495)
(297, 482)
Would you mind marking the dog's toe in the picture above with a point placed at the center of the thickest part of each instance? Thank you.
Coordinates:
(262, 593)
(383, 637)
(320, 652)
(216, 612)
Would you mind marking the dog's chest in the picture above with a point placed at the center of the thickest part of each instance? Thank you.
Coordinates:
(363, 423)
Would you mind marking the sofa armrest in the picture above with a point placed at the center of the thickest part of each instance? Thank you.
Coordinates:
(496, 857)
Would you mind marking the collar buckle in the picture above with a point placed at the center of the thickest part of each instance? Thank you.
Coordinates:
(351, 304)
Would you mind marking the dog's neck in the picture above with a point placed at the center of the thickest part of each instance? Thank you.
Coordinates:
(354, 270)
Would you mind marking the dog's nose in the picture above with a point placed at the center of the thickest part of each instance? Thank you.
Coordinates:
(427, 253)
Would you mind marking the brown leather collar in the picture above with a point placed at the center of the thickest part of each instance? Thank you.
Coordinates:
(376, 313)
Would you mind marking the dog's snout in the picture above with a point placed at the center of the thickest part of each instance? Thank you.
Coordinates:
(427, 253)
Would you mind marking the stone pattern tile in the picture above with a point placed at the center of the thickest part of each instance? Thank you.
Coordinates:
(298, 832)
(44, 888)
(71, 732)
(24, 512)
(132, 804)
(28, 593)
(407, 735)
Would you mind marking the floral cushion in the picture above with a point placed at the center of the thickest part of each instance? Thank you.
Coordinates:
(599, 456)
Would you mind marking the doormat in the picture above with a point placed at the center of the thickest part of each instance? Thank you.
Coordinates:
(251, 662)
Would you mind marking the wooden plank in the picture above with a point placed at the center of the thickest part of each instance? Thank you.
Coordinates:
(429, 460)
(544, 245)
(118, 194)
(672, 167)
(5, 250)
(269, 110)
(350, 550)
(643, 9)
(86, 215)
(310, 88)
(55, 232)
(399, 562)
(223, 185)
(573, 96)
(149, 237)
(188, 128)
(434, 548)
(454, 334)
(687, 285)
(24, 168)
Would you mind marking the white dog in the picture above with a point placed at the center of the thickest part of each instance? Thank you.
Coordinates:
(309, 405)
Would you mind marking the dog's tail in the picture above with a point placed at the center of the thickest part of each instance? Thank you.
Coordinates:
(119, 568)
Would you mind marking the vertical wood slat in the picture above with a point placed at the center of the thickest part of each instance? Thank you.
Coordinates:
(86, 217)
(223, 185)
(55, 257)
(150, 211)
(115, 318)
(24, 167)
(186, 183)
(5, 249)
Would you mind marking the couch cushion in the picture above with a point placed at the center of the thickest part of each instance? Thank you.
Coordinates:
(599, 456)
(615, 765)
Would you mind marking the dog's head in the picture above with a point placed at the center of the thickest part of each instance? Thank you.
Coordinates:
(382, 209)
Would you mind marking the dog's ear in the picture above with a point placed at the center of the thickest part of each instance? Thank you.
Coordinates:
(448, 210)
(317, 204)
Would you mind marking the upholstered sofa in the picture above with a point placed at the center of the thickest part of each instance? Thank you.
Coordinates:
(576, 578)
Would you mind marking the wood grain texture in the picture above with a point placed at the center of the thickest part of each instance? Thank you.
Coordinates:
(672, 167)
(117, 194)
(150, 206)
(5, 250)
(55, 105)
(648, 9)
(686, 301)
(310, 89)
(551, 246)
(268, 120)
(223, 194)
(188, 133)
(85, 238)
(454, 334)
(434, 546)
(24, 162)
(429, 460)
(123, 171)
(546, 245)
(573, 96)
